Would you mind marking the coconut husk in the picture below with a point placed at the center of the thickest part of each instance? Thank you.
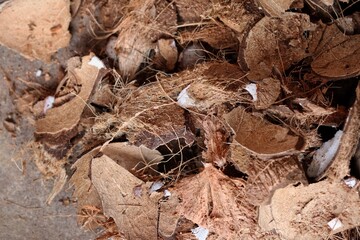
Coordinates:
(276, 9)
(216, 35)
(336, 55)
(124, 198)
(40, 29)
(214, 201)
(260, 137)
(60, 123)
(340, 164)
(139, 31)
(275, 43)
(303, 212)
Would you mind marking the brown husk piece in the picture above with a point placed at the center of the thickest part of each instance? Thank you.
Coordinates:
(139, 31)
(156, 122)
(277, 8)
(134, 214)
(268, 90)
(216, 35)
(40, 29)
(191, 11)
(340, 166)
(85, 192)
(216, 84)
(240, 16)
(276, 43)
(336, 56)
(303, 212)
(260, 137)
(60, 123)
(214, 201)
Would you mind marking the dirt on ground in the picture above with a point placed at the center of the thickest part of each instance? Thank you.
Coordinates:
(180, 119)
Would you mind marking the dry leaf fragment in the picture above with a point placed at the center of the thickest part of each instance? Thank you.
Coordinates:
(40, 29)
(136, 217)
(260, 137)
(276, 43)
(60, 123)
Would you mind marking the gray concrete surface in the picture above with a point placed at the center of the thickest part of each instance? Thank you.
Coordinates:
(23, 211)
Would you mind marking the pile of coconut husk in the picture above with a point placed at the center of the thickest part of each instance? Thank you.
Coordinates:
(195, 119)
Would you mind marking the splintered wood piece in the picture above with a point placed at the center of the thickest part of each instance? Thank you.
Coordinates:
(260, 137)
(40, 29)
(60, 123)
(135, 212)
(276, 43)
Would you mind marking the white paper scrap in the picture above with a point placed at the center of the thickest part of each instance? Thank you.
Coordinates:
(156, 186)
(184, 100)
(335, 223)
(96, 62)
(200, 233)
(350, 182)
(252, 89)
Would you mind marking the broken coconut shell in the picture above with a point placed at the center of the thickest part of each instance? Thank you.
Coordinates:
(303, 212)
(125, 199)
(336, 56)
(139, 31)
(276, 43)
(60, 124)
(40, 29)
(260, 137)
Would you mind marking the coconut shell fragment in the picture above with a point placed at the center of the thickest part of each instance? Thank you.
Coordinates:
(303, 212)
(336, 56)
(260, 137)
(276, 43)
(139, 31)
(40, 29)
(60, 123)
(135, 214)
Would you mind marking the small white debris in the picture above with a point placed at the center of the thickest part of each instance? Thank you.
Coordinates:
(156, 186)
(96, 62)
(324, 155)
(167, 193)
(350, 182)
(200, 233)
(335, 224)
(252, 89)
(38, 73)
(137, 191)
(184, 100)
(110, 48)
(49, 101)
